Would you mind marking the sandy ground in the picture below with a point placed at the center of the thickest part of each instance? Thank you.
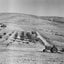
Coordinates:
(30, 57)
(27, 55)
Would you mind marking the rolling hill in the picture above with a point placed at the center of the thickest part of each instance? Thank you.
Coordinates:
(51, 28)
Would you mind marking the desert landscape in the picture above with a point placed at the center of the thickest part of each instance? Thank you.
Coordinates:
(15, 52)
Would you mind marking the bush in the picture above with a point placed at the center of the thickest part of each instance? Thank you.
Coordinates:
(15, 36)
(0, 36)
(62, 50)
(22, 35)
(28, 35)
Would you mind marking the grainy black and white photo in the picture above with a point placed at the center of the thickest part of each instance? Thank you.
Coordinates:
(31, 31)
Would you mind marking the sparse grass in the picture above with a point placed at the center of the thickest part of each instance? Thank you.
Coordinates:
(45, 26)
(31, 57)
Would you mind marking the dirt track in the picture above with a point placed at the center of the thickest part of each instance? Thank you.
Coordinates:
(30, 57)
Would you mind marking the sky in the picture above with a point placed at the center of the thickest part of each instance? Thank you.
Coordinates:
(34, 7)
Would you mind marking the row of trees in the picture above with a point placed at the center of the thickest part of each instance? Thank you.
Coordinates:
(31, 36)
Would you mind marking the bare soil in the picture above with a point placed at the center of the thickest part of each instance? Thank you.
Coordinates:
(30, 57)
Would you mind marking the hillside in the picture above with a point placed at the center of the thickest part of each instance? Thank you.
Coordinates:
(49, 29)
(18, 52)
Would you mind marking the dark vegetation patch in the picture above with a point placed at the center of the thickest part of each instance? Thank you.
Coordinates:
(54, 19)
